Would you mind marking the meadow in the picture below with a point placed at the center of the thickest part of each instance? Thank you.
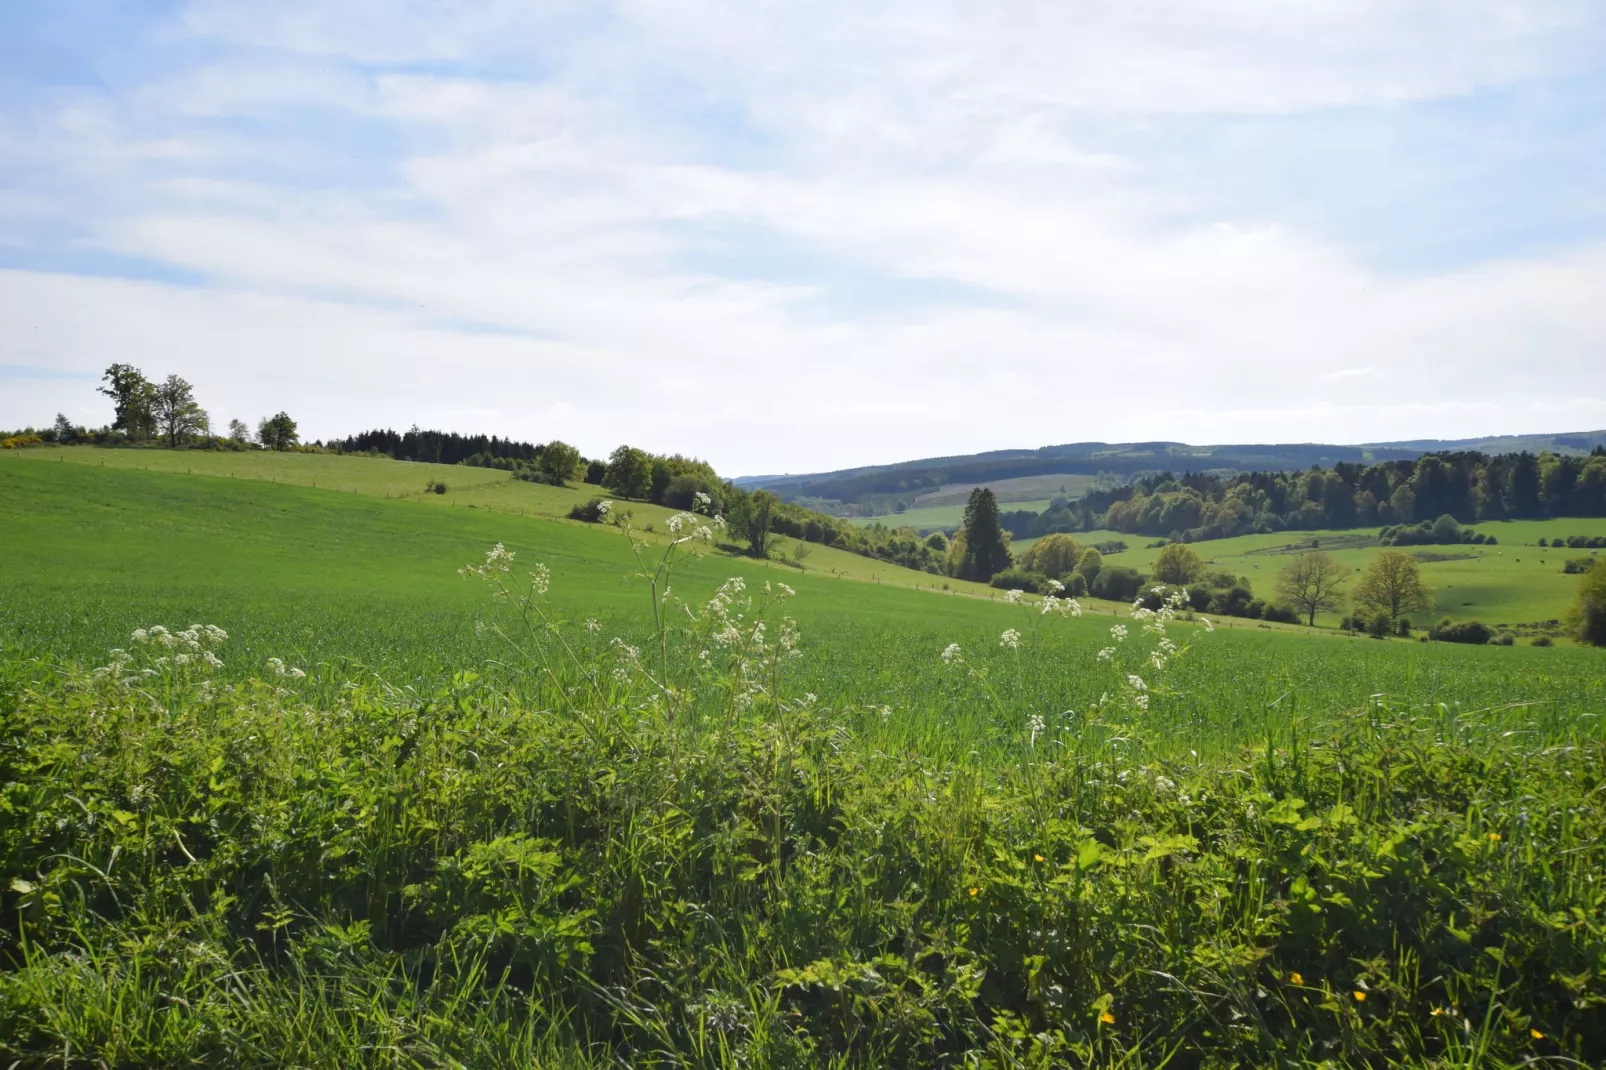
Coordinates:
(946, 518)
(1514, 582)
(912, 828)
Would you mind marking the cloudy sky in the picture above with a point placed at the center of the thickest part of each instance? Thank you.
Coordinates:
(790, 237)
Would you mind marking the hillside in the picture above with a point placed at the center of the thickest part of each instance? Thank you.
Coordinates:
(875, 489)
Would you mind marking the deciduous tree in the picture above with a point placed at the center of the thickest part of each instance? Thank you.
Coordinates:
(1179, 564)
(1311, 584)
(132, 395)
(177, 414)
(1391, 585)
(559, 462)
(278, 432)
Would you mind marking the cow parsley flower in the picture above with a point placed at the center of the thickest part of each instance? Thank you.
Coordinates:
(1012, 597)
(950, 652)
(1136, 682)
(1107, 653)
(1010, 639)
(1118, 633)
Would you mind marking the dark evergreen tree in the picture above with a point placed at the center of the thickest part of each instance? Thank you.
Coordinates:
(986, 555)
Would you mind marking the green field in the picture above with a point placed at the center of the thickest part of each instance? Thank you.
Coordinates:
(1514, 582)
(437, 848)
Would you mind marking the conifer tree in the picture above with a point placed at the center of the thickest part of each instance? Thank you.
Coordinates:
(986, 555)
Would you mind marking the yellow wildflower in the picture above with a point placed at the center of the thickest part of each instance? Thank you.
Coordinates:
(1296, 978)
(1037, 858)
(1107, 1018)
(1360, 997)
(1494, 837)
(1536, 1034)
(974, 891)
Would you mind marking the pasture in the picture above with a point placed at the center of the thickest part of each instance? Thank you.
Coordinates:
(931, 830)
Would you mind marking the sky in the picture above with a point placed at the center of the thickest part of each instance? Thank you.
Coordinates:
(797, 237)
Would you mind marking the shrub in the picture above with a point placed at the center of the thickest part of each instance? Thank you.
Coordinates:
(1402, 628)
(1279, 614)
(1543, 640)
(1117, 583)
(1020, 579)
(1575, 565)
(435, 486)
(1468, 631)
(594, 511)
(1504, 640)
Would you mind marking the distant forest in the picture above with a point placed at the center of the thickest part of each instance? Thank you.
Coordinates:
(1468, 486)
(438, 447)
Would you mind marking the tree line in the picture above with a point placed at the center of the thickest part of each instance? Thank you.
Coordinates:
(164, 413)
(1468, 487)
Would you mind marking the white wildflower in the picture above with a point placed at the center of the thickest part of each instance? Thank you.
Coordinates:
(1118, 633)
(1206, 622)
(603, 509)
(1012, 597)
(1035, 725)
(1158, 661)
(1010, 639)
(1136, 682)
(297, 674)
(1055, 586)
(950, 652)
(141, 635)
(1107, 653)
(592, 625)
(1140, 701)
(541, 579)
(699, 500)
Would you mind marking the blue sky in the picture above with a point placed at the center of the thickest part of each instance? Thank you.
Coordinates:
(806, 236)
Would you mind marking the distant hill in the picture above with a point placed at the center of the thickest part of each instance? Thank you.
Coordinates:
(878, 488)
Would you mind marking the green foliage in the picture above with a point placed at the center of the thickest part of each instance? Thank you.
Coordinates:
(133, 397)
(1179, 564)
(1589, 608)
(985, 551)
(1117, 584)
(1466, 631)
(1020, 579)
(278, 432)
(1055, 556)
(559, 463)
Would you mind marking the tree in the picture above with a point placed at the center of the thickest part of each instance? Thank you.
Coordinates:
(1178, 564)
(1053, 555)
(1311, 584)
(629, 473)
(559, 462)
(753, 514)
(177, 415)
(238, 431)
(1589, 609)
(132, 394)
(278, 432)
(985, 553)
(1392, 584)
(63, 430)
(1089, 564)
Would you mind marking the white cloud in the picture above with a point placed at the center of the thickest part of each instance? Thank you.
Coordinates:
(523, 242)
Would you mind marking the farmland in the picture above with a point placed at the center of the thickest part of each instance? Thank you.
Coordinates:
(444, 837)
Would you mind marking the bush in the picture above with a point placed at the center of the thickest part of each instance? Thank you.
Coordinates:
(1279, 614)
(1504, 640)
(1020, 579)
(594, 511)
(1468, 631)
(1402, 628)
(435, 486)
(1576, 565)
(1543, 640)
(1118, 584)
(1589, 611)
